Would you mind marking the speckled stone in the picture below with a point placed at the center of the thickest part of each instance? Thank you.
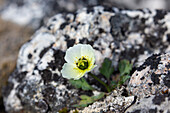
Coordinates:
(33, 13)
(151, 104)
(152, 77)
(114, 103)
(37, 85)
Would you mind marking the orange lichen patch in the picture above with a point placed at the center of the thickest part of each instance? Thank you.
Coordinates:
(165, 91)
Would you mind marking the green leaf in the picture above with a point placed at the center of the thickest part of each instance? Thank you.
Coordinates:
(107, 68)
(95, 98)
(123, 79)
(80, 105)
(86, 100)
(113, 84)
(125, 67)
(81, 83)
(85, 97)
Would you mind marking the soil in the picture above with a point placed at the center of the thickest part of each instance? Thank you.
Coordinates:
(12, 36)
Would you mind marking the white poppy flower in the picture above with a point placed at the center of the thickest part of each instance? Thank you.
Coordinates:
(80, 59)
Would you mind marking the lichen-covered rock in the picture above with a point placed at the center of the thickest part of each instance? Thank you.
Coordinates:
(151, 84)
(115, 103)
(37, 85)
(151, 104)
(34, 12)
(152, 77)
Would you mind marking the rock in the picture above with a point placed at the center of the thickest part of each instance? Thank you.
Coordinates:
(151, 84)
(152, 77)
(33, 13)
(36, 85)
(115, 103)
(151, 104)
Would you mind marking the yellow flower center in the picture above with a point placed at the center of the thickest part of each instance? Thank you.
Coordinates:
(82, 63)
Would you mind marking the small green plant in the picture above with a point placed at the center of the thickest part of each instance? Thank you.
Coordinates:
(80, 60)
(124, 68)
(107, 71)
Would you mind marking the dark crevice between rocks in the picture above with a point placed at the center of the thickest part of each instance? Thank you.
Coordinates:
(125, 93)
(134, 101)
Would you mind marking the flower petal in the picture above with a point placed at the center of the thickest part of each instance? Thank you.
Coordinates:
(88, 51)
(71, 71)
(73, 53)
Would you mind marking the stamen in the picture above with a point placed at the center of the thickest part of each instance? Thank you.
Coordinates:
(82, 63)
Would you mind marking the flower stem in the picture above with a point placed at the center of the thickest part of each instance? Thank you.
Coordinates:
(105, 85)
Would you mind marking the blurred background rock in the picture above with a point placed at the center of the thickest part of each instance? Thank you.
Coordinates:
(20, 18)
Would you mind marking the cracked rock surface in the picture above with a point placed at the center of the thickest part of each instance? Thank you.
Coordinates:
(36, 85)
